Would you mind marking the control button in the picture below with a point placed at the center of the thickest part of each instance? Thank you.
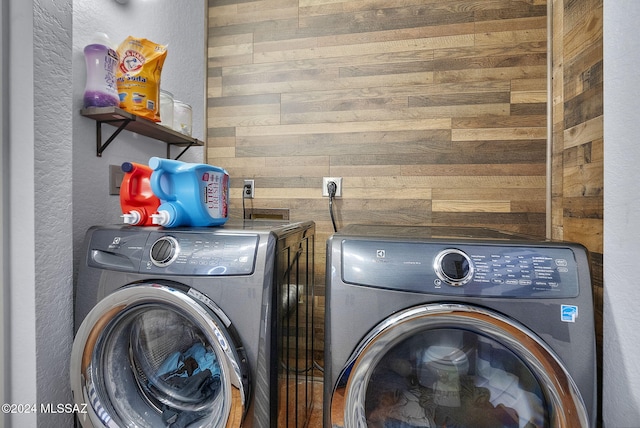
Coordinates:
(164, 251)
(453, 267)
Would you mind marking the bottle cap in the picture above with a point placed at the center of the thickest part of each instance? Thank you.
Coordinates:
(100, 38)
(127, 167)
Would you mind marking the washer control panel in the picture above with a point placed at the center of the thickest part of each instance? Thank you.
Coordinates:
(464, 269)
(174, 252)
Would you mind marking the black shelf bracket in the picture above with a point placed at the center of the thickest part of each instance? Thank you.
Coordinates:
(179, 154)
(100, 146)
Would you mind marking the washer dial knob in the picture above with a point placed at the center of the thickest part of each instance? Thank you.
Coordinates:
(453, 267)
(164, 251)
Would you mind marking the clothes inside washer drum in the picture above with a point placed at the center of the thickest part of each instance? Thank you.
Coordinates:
(176, 372)
(195, 374)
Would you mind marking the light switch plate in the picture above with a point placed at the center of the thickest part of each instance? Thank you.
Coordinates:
(115, 179)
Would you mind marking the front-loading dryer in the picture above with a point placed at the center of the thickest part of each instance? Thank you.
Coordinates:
(457, 327)
(192, 327)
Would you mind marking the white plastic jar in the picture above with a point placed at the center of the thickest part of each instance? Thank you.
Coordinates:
(166, 108)
(182, 117)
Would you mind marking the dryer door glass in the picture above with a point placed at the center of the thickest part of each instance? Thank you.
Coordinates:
(151, 355)
(448, 365)
(453, 378)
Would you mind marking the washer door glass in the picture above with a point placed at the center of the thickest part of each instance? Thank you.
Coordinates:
(150, 356)
(455, 366)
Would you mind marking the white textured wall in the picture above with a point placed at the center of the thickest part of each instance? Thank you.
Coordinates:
(57, 187)
(53, 203)
(621, 395)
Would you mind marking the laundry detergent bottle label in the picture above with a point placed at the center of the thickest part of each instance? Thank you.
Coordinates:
(137, 200)
(190, 194)
(214, 185)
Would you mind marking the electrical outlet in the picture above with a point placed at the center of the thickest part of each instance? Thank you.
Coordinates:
(248, 190)
(336, 180)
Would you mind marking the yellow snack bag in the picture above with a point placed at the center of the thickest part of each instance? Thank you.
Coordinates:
(138, 76)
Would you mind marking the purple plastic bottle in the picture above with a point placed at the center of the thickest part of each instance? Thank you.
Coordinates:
(101, 60)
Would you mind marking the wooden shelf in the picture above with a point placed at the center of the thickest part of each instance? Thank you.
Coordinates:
(123, 120)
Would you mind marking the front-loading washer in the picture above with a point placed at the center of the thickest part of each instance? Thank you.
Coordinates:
(195, 327)
(457, 327)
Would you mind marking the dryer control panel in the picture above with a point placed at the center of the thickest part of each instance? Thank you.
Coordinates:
(462, 269)
(174, 252)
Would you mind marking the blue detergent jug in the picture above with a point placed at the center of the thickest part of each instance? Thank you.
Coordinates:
(190, 194)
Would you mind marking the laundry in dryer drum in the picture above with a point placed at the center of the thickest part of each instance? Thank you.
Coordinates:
(137, 200)
(190, 194)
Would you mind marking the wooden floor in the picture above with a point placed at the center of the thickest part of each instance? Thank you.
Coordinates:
(315, 421)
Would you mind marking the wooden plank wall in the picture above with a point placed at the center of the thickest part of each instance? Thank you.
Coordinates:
(577, 177)
(578, 169)
(432, 111)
